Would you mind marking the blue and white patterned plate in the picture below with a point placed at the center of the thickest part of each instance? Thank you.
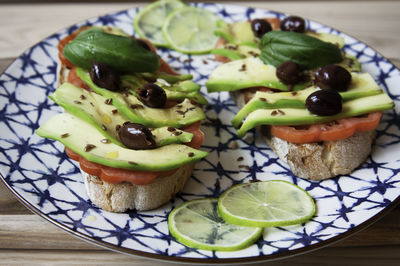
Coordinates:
(46, 181)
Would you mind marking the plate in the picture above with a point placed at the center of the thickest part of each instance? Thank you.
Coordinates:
(47, 182)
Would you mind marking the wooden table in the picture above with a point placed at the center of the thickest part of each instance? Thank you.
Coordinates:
(28, 239)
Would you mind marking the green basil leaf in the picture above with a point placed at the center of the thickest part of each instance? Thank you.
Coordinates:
(122, 53)
(309, 52)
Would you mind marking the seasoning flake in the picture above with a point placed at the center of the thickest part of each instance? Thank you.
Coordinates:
(89, 147)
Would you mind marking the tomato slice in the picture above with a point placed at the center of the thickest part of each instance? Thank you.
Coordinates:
(340, 129)
(198, 135)
(74, 79)
(275, 23)
(296, 135)
(117, 175)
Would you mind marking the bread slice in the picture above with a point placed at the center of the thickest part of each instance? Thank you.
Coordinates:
(127, 196)
(316, 161)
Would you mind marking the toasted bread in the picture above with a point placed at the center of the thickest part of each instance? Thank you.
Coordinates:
(316, 161)
(124, 196)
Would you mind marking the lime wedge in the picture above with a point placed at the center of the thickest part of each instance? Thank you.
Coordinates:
(191, 30)
(269, 203)
(197, 224)
(148, 22)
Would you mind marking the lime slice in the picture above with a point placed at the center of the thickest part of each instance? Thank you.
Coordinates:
(191, 30)
(269, 203)
(197, 224)
(148, 22)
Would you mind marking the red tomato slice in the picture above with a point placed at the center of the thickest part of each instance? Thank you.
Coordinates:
(198, 135)
(117, 175)
(296, 135)
(340, 129)
(275, 23)
(74, 79)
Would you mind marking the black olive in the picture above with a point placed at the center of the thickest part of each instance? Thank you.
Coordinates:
(324, 102)
(105, 76)
(288, 72)
(293, 23)
(152, 95)
(260, 27)
(136, 136)
(333, 77)
(143, 44)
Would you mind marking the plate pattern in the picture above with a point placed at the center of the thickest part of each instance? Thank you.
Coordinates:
(40, 172)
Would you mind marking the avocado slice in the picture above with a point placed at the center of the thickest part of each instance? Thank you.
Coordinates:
(252, 72)
(92, 108)
(327, 37)
(296, 116)
(168, 135)
(237, 32)
(241, 32)
(183, 90)
(350, 63)
(246, 73)
(101, 114)
(183, 114)
(178, 91)
(362, 84)
(236, 52)
(87, 141)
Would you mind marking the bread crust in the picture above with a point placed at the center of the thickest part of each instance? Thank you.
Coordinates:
(323, 160)
(127, 196)
(317, 161)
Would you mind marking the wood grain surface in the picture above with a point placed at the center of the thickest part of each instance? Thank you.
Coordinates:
(27, 239)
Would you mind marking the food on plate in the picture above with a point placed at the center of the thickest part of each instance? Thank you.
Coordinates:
(149, 21)
(131, 122)
(268, 203)
(198, 224)
(173, 24)
(236, 219)
(310, 100)
(190, 30)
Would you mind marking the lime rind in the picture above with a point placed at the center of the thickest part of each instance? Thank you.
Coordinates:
(197, 224)
(190, 30)
(251, 205)
(149, 20)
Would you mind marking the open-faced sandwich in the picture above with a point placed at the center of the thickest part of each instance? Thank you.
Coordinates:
(131, 122)
(313, 105)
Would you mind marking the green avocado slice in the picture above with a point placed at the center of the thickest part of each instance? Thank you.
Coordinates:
(295, 116)
(101, 114)
(167, 77)
(241, 32)
(178, 90)
(252, 72)
(183, 114)
(246, 73)
(88, 142)
(362, 84)
(167, 135)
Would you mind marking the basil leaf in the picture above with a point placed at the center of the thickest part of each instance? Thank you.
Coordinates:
(309, 52)
(120, 52)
